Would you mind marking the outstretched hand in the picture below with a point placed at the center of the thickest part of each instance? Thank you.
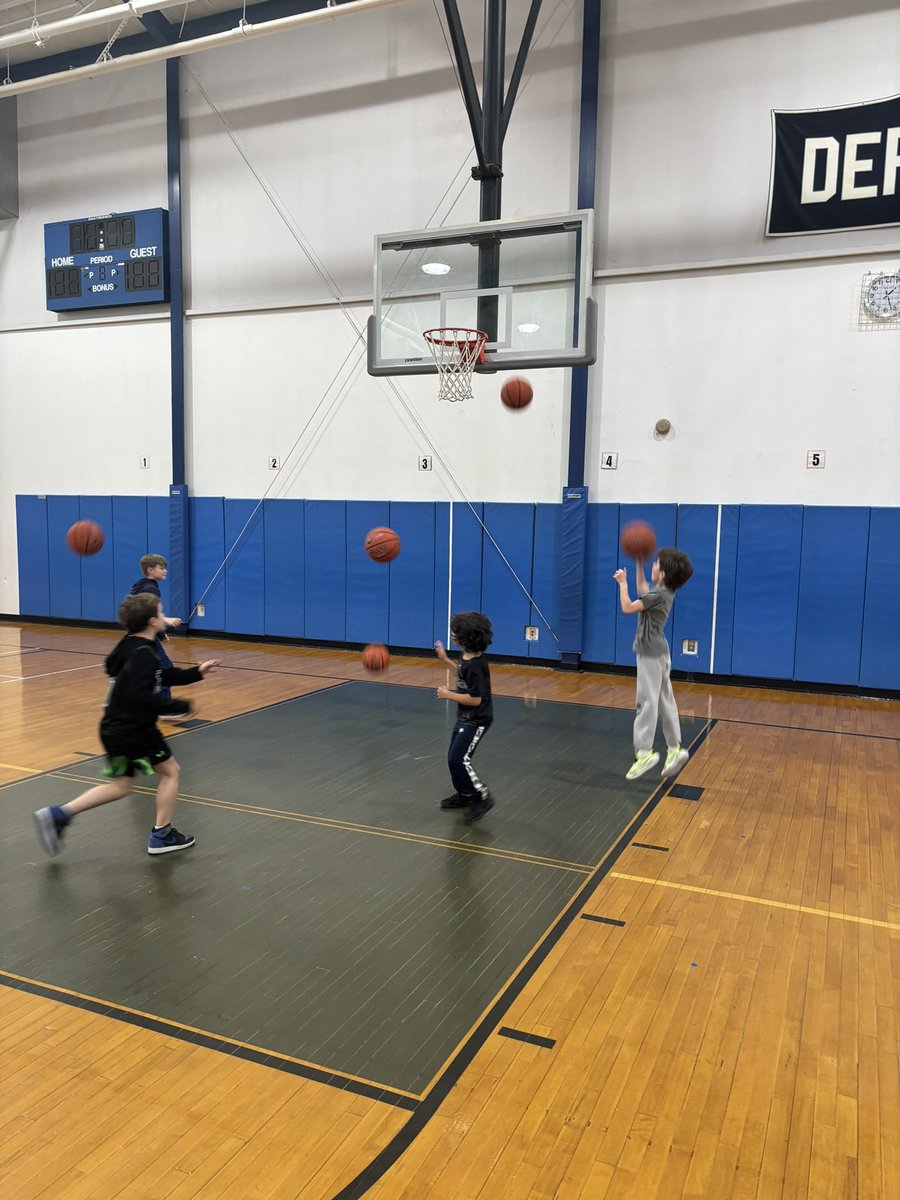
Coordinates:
(620, 576)
(209, 666)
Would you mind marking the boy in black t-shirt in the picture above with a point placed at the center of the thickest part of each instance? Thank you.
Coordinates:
(472, 631)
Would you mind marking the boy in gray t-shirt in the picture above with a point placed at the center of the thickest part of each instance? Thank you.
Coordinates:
(655, 697)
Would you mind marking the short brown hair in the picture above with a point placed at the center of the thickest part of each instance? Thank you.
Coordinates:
(136, 612)
(149, 561)
(676, 566)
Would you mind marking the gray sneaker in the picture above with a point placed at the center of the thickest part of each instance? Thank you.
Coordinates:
(49, 831)
(675, 760)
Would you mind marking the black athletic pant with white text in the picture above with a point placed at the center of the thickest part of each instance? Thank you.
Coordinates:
(464, 741)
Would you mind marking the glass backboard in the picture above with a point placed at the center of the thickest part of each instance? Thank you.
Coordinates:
(526, 283)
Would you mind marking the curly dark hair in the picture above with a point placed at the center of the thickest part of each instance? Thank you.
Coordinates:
(677, 566)
(136, 612)
(472, 630)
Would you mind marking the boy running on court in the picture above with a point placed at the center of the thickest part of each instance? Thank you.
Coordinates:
(128, 729)
(655, 697)
(473, 632)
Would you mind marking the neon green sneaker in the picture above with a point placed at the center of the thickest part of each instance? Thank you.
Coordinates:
(675, 760)
(644, 761)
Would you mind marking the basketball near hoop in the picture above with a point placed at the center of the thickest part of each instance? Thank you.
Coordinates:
(455, 352)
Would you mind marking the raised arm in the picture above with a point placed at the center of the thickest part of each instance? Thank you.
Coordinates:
(627, 605)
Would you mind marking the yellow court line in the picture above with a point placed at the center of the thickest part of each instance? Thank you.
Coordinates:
(801, 908)
(531, 860)
(14, 767)
(216, 1037)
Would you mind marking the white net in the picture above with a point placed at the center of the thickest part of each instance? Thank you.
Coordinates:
(455, 352)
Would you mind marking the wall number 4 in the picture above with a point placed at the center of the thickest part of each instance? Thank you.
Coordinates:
(815, 460)
(609, 460)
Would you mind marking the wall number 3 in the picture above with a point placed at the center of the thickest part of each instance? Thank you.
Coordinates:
(815, 460)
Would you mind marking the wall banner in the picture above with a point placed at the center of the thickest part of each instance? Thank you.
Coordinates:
(835, 168)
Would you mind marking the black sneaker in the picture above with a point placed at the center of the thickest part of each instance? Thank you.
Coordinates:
(479, 808)
(456, 801)
(49, 830)
(165, 842)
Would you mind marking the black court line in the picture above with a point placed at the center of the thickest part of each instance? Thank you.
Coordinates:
(210, 1042)
(532, 1039)
(403, 1139)
(601, 920)
(650, 846)
(684, 791)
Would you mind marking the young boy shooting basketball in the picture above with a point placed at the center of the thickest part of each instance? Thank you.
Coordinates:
(128, 729)
(475, 713)
(154, 569)
(655, 697)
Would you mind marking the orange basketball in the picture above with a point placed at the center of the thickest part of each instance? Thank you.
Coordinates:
(376, 657)
(516, 392)
(638, 539)
(382, 544)
(85, 537)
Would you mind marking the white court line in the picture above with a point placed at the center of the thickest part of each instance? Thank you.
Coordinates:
(47, 674)
(26, 650)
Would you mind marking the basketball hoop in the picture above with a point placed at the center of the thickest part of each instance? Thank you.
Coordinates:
(455, 352)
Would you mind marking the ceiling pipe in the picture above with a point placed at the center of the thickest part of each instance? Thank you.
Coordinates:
(36, 34)
(180, 49)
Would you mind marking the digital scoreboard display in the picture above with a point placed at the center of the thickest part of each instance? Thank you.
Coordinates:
(111, 260)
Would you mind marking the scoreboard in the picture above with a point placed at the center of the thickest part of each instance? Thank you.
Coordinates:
(116, 259)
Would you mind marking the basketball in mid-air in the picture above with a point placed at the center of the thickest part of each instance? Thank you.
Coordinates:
(638, 539)
(376, 657)
(85, 537)
(382, 544)
(516, 392)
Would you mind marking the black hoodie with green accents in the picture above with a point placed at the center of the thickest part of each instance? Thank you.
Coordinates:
(133, 701)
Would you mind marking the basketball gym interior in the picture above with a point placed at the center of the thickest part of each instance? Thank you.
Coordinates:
(271, 276)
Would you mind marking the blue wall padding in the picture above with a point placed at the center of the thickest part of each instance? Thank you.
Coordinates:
(468, 558)
(412, 574)
(34, 555)
(601, 595)
(724, 605)
(177, 592)
(129, 542)
(368, 582)
(207, 555)
(545, 581)
(326, 569)
(98, 589)
(767, 588)
(880, 658)
(245, 606)
(65, 567)
(572, 559)
(832, 594)
(692, 611)
(283, 577)
(440, 588)
(503, 600)
(158, 536)
(802, 594)
(663, 518)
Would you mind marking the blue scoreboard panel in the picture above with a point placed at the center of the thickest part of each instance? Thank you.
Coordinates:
(116, 259)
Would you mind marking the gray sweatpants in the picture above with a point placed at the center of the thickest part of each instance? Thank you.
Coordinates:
(655, 697)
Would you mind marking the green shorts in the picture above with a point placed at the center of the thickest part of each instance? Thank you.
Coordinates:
(134, 758)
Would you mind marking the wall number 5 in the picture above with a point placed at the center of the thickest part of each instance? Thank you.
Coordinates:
(815, 460)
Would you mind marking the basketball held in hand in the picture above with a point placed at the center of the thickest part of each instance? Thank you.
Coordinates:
(85, 538)
(382, 544)
(516, 392)
(376, 657)
(638, 540)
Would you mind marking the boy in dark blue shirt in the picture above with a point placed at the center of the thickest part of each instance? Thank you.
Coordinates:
(475, 713)
(155, 568)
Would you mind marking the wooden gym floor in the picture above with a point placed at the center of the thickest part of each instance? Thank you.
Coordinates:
(713, 1015)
